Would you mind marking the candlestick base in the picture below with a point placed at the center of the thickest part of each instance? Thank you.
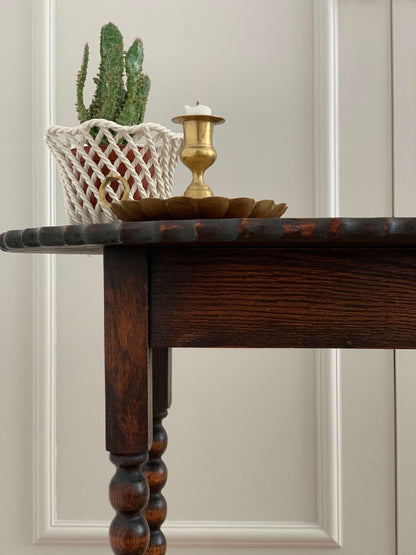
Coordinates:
(198, 190)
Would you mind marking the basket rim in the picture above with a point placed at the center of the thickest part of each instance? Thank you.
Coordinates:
(55, 130)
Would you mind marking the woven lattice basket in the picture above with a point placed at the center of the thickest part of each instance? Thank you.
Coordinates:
(144, 155)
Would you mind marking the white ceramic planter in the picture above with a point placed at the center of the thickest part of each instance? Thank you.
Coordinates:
(145, 155)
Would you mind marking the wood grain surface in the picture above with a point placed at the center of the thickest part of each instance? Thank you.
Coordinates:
(352, 298)
(128, 383)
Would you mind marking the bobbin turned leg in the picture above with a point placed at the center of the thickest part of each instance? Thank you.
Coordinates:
(128, 398)
(129, 492)
(155, 469)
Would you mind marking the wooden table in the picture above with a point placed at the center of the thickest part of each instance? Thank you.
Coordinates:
(224, 283)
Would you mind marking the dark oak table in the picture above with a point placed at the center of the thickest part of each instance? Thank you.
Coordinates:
(319, 283)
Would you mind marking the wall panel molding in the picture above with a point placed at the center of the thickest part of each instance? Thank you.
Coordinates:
(48, 527)
(325, 108)
(44, 273)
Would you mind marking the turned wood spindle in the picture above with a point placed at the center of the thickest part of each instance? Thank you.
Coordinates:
(129, 493)
(155, 469)
(156, 473)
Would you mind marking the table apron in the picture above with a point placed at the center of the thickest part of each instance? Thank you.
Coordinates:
(275, 297)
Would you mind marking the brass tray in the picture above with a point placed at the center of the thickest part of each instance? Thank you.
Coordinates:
(186, 208)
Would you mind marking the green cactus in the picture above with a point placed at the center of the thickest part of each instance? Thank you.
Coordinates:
(83, 114)
(113, 100)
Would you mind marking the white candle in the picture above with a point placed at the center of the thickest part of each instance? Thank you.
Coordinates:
(198, 110)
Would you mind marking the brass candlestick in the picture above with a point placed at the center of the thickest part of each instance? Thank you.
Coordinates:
(198, 152)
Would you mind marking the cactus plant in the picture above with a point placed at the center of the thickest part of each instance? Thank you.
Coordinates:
(122, 88)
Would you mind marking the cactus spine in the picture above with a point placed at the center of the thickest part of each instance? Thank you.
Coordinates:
(113, 100)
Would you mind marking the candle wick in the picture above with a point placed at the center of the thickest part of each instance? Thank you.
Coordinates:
(197, 102)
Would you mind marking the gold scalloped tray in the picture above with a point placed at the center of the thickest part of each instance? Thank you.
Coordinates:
(186, 208)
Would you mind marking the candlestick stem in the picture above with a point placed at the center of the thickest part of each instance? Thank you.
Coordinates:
(198, 152)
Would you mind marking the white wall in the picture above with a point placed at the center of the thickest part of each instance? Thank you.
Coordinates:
(15, 279)
(282, 140)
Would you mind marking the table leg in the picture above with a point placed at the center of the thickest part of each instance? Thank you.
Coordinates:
(155, 469)
(129, 492)
(128, 398)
